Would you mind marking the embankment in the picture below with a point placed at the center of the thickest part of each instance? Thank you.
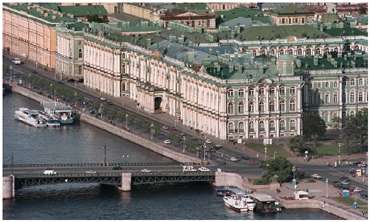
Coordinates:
(179, 157)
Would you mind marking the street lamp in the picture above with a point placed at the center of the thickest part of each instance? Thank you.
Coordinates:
(151, 131)
(339, 159)
(183, 144)
(126, 116)
(105, 155)
(265, 153)
(327, 187)
(294, 180)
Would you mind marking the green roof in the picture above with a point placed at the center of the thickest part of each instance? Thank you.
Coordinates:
(254, 14)
(329, 18)
(196, 7)
(323, 63)
(279, 32)
(292, 9)
(346, 31)
(84, 10)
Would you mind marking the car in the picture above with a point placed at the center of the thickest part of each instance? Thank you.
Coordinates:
(103, 99)
(188, 169)
(357, 190)
(17, 61)
(90, 172)
(316, 176)
(165, 127)
(208, 141)
(145, 171)
(167, 142)
(234, 159)
(117, 168)
(49, 172)
(203, 169)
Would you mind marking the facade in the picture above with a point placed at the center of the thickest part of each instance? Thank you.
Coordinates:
(292, 18)
(141, 12)
(192, 19)
(69, 55)
(218, 6)
(30, 37)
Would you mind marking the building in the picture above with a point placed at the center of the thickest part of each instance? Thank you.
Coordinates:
(218, 6)
(192, 19)
(141, 11)
(69, 55)
(29, 32)
(292, 15)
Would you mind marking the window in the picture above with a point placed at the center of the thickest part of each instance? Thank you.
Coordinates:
(282, 106)
(319, 85)
(261, 126)
(261, 91)
(80, 70)
(79, 53)
(282, 91)
(272, 125)
(282, 124)
(360, 97)
(292, 105)
(231, 127)
(272, 106)
(251, 91)
(241, 107)
(261, 107)
(251, 126)
(272, 91)
(327, 99)
(292, 91)
(360, 81)
(241, 92)
(230, 108)
(352, 82)
(292, 124)
(241, 127)
(230, 93)
(352, 97)
(335, 84)
(335, 98)
(251, 107)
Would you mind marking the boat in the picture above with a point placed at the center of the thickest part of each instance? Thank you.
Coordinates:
(50, 121)
(239, 203)
(229, 190)
(30, 117)
(59, 111)
(266, 203)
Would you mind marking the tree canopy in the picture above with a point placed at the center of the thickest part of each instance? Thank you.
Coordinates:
(313, 126)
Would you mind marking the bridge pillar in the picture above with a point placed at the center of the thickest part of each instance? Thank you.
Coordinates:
(125, 182)
(8, 187)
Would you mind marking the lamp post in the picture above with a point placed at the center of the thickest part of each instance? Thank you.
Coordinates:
(327, 187)
(11, 73)
(105, 155)
(151, 131)
(126, 117)
(294, 180)
(183, 144)
(339, 159)
(265, 152)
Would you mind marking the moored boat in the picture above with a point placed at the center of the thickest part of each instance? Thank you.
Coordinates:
(30, 117)
(239, 203)
(59, 111)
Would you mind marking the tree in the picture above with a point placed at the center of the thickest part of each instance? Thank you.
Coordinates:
(298, 145)
(313, 126)
(280, 168)
(355, 129)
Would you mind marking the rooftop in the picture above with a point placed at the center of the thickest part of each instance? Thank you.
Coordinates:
(359, 61)
(292, 9)
(253, 14)
(84, 10)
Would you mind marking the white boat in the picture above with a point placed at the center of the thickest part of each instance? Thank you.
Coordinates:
(239, 203)
(30, 117)
(59, 111)
(50, 120)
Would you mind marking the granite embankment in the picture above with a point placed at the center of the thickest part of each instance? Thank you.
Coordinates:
(167, 152)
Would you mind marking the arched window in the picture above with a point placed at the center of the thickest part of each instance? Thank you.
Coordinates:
(272, 106)
(261, 107)
(282, 91)
(230, 108)
(360, 81)
(272, 91)
(282, 106)
(241, 107)
(241, 127)
(352, 82)
(327, 99)
(251, 107)
(292, 90)
(230, 92)
(261, 91)
(352, 113)
(282, 124)
(231, 127)
(292, 105)
(251, 126)
(360, 97)
(241, 92)
(352, 97)
(335, 98)
(272, 125)
(292, 124)
(251, 92)
(261, 126)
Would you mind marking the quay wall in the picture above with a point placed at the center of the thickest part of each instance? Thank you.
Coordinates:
(179, 157)
(234, 179)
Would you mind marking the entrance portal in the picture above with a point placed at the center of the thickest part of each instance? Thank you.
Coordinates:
(157, 103)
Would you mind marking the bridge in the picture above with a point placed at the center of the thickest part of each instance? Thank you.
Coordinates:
(122, 175)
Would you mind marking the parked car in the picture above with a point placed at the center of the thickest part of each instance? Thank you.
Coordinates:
(167, 142)
(203, 169)
(90, 172)
(49, 172)
(234, 159)
(188, 169)
(316, 176)
(357, 190)
(145, 171)
(103, 99)
(17, 61)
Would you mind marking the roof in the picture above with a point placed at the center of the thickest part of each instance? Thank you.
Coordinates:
(262, 197)
(84, 10)
(293, 9)
(239, 21)
(56, 106)
(308, 63)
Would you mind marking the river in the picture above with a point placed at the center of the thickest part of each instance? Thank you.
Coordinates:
(83, 143)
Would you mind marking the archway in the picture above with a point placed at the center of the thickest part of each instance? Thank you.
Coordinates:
(157, 103)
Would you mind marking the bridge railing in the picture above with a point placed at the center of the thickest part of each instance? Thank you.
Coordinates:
(113, 164)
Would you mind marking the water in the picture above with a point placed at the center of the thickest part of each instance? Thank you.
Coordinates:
(90, 201)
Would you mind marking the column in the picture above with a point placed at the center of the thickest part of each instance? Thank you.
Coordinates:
(8, 187)
(125, 182)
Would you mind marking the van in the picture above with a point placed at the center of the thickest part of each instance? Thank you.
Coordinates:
(49, 172)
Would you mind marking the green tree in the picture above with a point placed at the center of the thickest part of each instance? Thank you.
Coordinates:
(313, 126)
(355, 129)
(280, 168)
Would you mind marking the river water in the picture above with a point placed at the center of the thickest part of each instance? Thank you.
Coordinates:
(83, 143)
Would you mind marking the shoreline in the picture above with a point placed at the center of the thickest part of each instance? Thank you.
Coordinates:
(122, 133)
